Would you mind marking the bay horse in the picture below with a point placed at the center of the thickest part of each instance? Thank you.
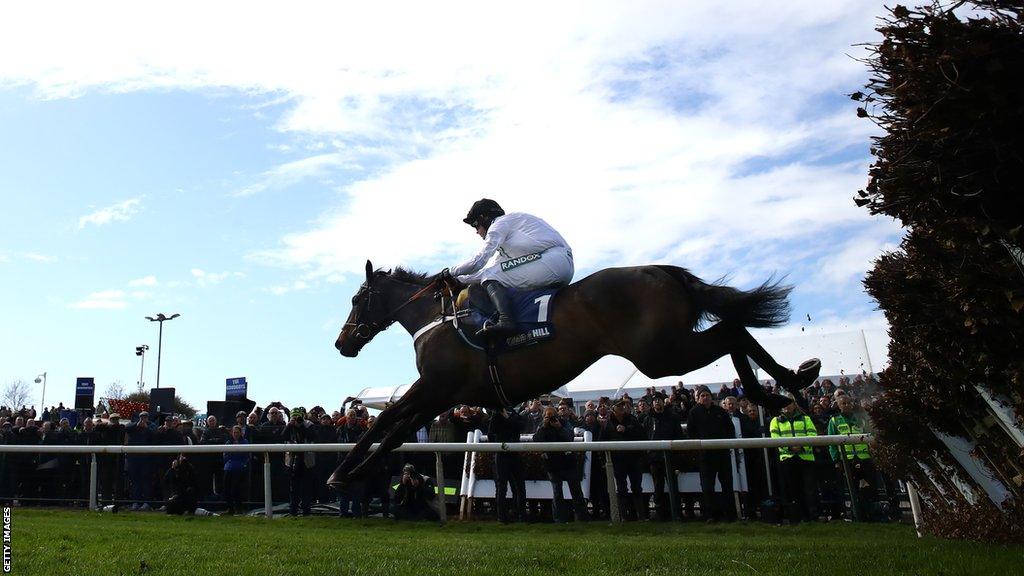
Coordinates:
(649, 315)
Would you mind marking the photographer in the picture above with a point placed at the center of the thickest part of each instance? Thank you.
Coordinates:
(561, 467)
(412, 496)
(180, 480)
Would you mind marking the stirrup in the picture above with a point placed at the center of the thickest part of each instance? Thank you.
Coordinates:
(499, 327)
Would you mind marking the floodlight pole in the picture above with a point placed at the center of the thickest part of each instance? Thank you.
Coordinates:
(160, 344)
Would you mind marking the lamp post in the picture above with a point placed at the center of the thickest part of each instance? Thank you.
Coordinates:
(42, 378)
(141, 352)
(160, 344)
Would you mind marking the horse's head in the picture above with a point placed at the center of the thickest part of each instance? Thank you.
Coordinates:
(368, 316)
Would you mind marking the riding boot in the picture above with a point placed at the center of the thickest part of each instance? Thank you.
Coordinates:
(499, 297)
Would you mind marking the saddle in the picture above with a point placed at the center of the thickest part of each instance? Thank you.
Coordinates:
(531, 308)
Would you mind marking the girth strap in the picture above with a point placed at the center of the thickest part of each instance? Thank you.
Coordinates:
(492, 371)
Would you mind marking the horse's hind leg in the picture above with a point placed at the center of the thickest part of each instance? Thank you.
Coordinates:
(698, 349)
(752, 388)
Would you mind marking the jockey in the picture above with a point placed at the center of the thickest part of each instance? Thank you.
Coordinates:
(531, 255)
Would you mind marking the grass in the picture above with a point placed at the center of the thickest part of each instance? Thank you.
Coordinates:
(54, 542)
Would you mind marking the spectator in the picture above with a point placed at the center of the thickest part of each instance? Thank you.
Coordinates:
(753, 459)
(561, 467)
(598, 477)
(236, 469)
(300, 464)
(707, 422)
(662, 424)
(181, 485)
(863, 478)
(412, 497)
(627, 465)
(140, 467)
(799, 485)
(350, 500)
(505, 426)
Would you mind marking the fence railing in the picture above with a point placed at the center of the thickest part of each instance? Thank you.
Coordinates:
(438, 448)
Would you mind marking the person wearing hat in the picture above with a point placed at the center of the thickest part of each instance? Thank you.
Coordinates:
(300, 464)
(531, 255)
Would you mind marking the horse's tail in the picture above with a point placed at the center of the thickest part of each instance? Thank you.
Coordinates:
(766, 306)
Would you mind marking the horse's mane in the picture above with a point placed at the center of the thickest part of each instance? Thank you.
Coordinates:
(411, 276)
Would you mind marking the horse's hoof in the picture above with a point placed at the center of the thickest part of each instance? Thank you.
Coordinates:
(337, 482)
(804, 376)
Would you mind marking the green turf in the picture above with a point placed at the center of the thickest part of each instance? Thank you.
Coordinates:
(56, 542)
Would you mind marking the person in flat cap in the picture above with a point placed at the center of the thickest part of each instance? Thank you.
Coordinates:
(300, 464)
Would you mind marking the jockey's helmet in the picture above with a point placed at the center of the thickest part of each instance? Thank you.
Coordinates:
(483, 212)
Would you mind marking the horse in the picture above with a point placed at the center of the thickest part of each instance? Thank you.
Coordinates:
(649, 315)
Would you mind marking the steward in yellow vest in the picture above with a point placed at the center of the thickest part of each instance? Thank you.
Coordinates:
(799, 479)
(793, 424)
(862, 477)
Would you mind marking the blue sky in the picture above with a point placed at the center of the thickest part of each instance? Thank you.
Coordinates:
(239, 169)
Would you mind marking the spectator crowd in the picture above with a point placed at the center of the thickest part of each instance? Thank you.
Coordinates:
(809, 483)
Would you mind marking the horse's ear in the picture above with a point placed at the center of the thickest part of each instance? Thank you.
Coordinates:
(369, 271)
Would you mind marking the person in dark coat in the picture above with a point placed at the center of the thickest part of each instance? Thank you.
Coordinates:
(598, 476)
(412, 497)
(87, 436)
(754, 460)
(505, 426)
(180, 481)
(140, 467)
(662, 424)
(709, 421)
(627, 465)
(561, 467)
(300, 465)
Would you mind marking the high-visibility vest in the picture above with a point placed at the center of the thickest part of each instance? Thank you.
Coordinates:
(797, 427)
(840, 424)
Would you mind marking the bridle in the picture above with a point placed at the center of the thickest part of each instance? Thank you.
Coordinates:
(367, 330)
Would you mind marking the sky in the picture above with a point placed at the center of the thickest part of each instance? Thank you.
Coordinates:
(238, 163)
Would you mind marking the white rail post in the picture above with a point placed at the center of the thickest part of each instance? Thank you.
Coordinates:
(268, 503)
(915, 507)
(439, 467)
(613, 494)
(93, 504)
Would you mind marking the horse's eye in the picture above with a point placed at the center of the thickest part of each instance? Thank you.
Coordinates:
(355, 299)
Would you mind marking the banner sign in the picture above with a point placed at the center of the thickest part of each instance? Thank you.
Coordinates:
(85, 387)
(236, 389)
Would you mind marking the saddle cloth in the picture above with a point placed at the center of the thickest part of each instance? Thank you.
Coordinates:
(531, 308)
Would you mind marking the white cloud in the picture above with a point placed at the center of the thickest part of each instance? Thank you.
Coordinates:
(204, 278)
(105, 300)
(144, 281)
(284, 289)
(291, 173)
(635, 128)
(118, 212)
(43, 258)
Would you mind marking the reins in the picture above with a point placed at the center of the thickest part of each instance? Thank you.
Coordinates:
(366, 331)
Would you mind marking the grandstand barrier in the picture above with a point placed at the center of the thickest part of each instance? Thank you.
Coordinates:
(439, 448)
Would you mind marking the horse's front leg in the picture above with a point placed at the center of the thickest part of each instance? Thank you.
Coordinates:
(384, 423)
